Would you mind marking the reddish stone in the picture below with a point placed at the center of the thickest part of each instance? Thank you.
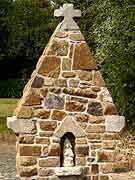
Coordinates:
(58, 48)
(98, 80)
(74, 106)
(61, 83)
(50, 67)
(58, 115)
(80, 92)
(105, 156)
(106, 167)
(96, 119)
(95, 129)
(79, 99)
(103, 177)
(110, 109)
(94, 169)
(66, 64)
(94, 178)
(42, 140)
(23, 112)
(85, 85)
(81, 141)
(42, 113)
(48, 125)
(94, 136)
(55, 90)
(96, 88)
(121, 166)
(82, 150)
(44, 92)
(111, 136)
(30, 150)
(71, 51)
(85, 75)
(82, 117)
(54, 150)
(32, 98)
(49, 162)
(83, 58)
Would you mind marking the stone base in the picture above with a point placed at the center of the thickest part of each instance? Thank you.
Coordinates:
(68, 171)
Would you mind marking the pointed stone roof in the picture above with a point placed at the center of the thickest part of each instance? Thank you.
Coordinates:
(66, 66)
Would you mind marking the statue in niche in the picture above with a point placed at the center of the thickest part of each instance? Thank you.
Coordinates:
(68, 155)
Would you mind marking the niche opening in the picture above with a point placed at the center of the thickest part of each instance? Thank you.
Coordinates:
(67, 157)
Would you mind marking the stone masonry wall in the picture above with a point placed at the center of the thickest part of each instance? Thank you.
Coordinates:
(67, 93)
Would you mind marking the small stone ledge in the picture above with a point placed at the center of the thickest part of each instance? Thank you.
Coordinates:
(69, 171)
(114, 123)
(24, 126)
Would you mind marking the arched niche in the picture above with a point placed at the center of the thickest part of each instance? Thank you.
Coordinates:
(67, 157)
(69, 124)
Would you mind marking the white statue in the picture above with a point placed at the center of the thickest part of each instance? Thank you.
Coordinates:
(68, 154)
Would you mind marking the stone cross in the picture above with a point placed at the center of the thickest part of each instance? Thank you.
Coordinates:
(69, 13)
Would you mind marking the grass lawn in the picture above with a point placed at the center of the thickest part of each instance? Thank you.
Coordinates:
(7, 107)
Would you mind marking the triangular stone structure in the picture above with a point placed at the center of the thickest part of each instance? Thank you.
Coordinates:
(67, 93)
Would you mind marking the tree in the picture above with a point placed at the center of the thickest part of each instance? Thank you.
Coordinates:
(4, 5)
(29, 28)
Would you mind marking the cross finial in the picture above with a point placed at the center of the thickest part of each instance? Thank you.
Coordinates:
(69, 13)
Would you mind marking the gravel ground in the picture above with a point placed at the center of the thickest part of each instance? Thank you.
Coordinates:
(8, 164)
(7, 161)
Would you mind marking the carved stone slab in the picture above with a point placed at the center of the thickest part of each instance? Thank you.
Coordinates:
(25, 126)
(69, 124)
(114, 123)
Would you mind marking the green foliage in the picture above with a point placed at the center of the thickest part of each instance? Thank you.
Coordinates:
(30, 28)
(11, 88)
(108, 26)
(4, 5)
